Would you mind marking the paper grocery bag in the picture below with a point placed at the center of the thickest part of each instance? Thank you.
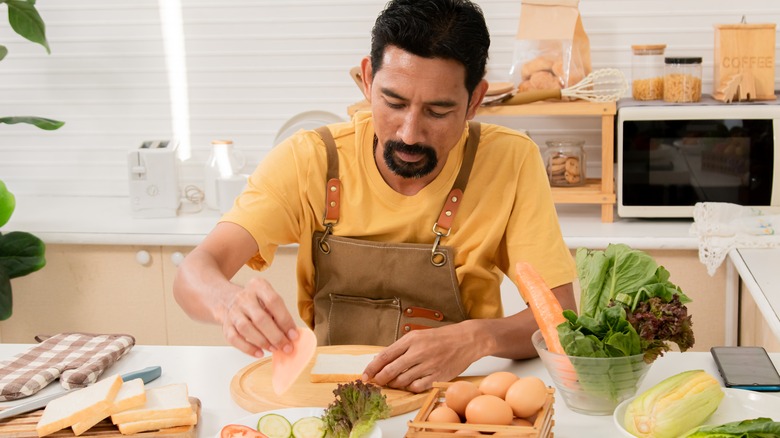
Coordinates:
(552, 50)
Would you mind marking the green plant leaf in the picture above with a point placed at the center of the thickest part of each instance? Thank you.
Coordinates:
(43, 123)
(3, 52)
(6, 298)
(7, 203)
(21, 253)
(26, 21)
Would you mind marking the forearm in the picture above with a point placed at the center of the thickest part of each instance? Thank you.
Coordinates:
(201, 289)
(510, 337)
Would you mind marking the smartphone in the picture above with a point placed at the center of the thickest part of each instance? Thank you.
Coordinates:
(746, 368)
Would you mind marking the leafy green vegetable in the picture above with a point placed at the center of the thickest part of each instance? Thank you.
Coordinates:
(628, 307)
(357, 407)
(622, 274)
(756, 428)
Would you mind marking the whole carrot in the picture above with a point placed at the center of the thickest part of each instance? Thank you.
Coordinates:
(544, 305)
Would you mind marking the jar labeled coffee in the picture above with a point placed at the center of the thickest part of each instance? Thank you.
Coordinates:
(565, 162)
(647, 72)
(682, 79)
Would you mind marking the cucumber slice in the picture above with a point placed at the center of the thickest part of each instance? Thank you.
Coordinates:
(274, 426)
(308, 427)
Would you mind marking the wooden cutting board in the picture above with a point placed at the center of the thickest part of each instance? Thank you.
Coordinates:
(251, 386)
(23, 426)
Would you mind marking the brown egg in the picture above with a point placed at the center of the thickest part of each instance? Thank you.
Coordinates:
(443, 414)
(459, 394)
(497, 383)
(526, 396)
(488, 409)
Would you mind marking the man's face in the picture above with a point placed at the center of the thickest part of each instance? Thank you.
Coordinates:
(420, 108)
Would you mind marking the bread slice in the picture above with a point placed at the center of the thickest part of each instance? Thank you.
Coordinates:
(131, 394)
(335, 368)
(79, 405)
(156, 424)
(161, 402)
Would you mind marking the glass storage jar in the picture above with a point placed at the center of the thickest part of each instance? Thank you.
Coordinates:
(682, 79)
(647, 72)
(565, 162)
(224, 162)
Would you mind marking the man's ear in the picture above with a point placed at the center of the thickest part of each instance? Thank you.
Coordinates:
(366, 74)
(476, 99)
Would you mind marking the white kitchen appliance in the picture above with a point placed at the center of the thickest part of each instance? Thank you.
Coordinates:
(671, 156)
(154, 179)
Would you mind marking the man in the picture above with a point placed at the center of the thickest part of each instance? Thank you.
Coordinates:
(406, 219)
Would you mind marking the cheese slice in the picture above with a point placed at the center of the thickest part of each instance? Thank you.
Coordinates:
(78, 405)
(161, 402)
(334, 368)
(131, 394)
(156, 424)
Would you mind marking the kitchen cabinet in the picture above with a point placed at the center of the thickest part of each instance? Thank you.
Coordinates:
(120, 289)
(105, 289)
(600, 191)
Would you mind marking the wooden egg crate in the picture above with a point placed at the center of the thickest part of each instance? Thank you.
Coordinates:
(419, 427)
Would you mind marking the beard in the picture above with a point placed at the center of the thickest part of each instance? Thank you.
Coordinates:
(406, 169)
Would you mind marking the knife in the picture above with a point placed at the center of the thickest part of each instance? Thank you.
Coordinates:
(147, 375)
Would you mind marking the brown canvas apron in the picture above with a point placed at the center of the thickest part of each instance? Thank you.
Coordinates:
(372, 293)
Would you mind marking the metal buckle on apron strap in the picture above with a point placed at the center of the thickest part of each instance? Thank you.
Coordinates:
(438, 258)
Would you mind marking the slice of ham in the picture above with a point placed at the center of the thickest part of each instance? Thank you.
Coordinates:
(286, 367)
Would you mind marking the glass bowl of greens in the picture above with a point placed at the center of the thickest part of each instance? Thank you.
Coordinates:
(592, 385)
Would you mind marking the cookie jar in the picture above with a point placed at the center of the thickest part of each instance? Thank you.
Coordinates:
(565, 162)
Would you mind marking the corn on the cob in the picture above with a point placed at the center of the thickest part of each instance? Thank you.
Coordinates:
(674, 406)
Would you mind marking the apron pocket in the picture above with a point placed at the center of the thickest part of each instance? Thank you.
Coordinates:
(363, 321)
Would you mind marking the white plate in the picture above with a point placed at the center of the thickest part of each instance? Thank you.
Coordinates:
(293, 415)
(737, 405)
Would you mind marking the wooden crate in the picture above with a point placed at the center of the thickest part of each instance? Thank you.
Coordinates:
(744, 62)
(420, 428)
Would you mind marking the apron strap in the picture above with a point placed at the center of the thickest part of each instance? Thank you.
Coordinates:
(333, 187)
(450, 208)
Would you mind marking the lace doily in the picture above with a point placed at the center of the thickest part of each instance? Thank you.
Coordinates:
(722, 227)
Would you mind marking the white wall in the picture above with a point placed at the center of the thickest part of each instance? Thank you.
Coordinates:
(252, 65)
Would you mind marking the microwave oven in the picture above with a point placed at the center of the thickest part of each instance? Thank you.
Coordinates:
(669, 157)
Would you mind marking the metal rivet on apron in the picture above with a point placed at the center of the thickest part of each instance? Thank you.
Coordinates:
(395, 302)
(332, 203)
(448, 213)
(333, 188)
(409, 310)
(436, 314)
(454, 199)
(407, 328)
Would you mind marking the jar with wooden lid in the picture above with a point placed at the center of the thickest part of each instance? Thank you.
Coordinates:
(682, 79)
(647, 72)
(565, 162)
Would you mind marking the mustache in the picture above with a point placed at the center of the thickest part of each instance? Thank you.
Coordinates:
(417, 148)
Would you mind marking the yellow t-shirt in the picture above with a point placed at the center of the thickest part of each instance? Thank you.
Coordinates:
(506, 215)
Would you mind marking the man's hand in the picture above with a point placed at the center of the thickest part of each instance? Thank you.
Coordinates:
(422, 357)
(256, 319)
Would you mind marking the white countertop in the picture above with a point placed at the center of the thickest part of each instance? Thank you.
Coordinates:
(758, 269)
(108, 221)
(209, 370)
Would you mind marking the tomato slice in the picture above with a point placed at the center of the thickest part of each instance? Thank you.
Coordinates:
(239, 431)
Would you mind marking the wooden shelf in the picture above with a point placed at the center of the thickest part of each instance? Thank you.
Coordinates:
(595, 191)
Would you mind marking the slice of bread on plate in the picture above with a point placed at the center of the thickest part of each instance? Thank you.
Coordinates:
(335, 368)
(131, 394)
(170, 401)
(156, 424)
(78, 405)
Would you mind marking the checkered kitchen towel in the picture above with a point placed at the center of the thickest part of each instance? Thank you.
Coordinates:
(77, 359)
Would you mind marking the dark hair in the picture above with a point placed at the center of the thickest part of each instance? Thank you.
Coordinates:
(447, 29)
